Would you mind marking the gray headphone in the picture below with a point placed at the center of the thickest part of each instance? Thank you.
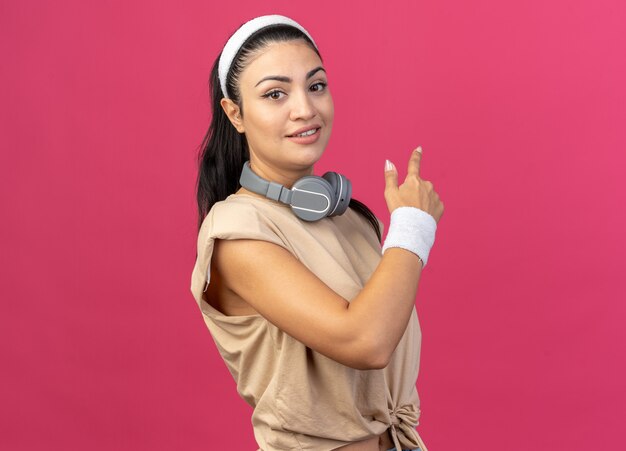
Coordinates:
(311, 197)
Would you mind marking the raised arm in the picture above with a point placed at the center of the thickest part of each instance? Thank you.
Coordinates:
(362, 333)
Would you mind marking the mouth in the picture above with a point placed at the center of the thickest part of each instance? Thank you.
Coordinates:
(304, 134)
(309, 137)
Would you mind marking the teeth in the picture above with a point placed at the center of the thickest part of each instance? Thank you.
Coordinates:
(310, 132)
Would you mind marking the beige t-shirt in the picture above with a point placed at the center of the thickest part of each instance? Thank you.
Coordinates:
(302, 399)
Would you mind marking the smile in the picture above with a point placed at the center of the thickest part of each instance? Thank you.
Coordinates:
(308, 137)
(307, 133)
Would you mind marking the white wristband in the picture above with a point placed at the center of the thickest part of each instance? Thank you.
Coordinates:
(412, 229)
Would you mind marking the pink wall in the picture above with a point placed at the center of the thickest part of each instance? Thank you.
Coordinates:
(520, 109)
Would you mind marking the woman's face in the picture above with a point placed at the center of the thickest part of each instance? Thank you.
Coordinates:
(275, 108)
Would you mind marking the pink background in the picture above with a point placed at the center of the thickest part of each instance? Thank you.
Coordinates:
(520, 109)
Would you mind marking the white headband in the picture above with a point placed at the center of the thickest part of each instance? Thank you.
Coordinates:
(244, 32)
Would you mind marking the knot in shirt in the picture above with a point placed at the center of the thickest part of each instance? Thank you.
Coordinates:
(404, 419)
(406, 413)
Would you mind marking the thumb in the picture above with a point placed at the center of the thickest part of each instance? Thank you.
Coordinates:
(391, 175)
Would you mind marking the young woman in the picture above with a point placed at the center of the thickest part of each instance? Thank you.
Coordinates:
(316, 323)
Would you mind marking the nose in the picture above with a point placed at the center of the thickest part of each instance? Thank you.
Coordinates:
(302, 106)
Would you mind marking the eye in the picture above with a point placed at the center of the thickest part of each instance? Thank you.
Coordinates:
(272, 93)
(322, 84)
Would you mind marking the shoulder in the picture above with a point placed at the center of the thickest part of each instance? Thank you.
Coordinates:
(237, 217)
(231, 213)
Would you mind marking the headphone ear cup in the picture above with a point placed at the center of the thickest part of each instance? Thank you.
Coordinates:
(312, 198)
(342, 192)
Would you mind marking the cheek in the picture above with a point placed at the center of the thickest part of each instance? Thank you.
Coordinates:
(329, 109)
(269, 120)
(266, 125)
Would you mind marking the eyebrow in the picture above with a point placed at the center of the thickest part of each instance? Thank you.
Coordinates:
(287, 79)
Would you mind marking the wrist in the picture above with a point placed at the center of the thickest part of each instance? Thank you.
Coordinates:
(412, 229)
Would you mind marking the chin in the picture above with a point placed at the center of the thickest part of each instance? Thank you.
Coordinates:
(308, 157)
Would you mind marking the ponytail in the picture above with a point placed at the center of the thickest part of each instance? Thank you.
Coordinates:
(224, 151)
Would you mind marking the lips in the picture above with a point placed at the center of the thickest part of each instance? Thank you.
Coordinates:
(305, 129)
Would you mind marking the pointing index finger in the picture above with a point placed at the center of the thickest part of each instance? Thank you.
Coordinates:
(415, 161)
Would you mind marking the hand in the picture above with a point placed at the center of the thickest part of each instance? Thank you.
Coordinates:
(414, 192)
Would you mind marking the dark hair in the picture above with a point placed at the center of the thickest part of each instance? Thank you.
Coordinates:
(224, 150)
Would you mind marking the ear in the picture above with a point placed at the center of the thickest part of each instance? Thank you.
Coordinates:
(233, 113)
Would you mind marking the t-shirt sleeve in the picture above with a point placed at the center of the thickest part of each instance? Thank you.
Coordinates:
(229, 221)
